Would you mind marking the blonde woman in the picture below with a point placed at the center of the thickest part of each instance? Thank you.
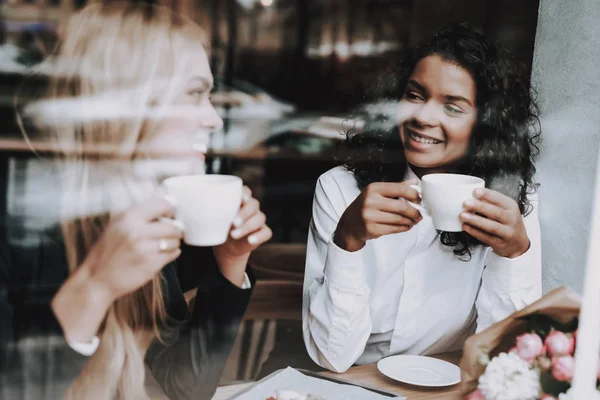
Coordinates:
(86, 308)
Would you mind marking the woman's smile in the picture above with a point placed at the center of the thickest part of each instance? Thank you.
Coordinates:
(419, 141)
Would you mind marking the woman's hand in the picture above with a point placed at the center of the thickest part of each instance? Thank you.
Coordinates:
(496, 220)
(381, 209)
(134, 247)
(248, 232)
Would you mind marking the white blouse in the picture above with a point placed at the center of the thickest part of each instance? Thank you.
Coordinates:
(404, 293)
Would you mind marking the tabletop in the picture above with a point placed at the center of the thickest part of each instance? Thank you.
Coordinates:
(369, 375)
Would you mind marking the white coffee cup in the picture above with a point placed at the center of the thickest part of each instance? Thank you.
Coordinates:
(443, 197)
(206, 205)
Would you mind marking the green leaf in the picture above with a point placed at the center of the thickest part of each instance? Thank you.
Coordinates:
(543, 325)
(551, 385)
(539, 324)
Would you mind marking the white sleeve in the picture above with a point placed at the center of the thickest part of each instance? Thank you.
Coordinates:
(336, 320)
(85, 349)
(510, 284)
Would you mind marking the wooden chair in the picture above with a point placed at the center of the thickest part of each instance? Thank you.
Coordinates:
(271, 300)
(275, 299)
(281, 262)
(277, 295)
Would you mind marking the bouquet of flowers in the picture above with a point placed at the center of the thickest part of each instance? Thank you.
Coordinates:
(527, 356)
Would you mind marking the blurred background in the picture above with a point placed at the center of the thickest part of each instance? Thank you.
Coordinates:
(288, 73)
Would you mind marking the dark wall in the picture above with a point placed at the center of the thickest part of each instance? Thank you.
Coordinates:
(334, 85)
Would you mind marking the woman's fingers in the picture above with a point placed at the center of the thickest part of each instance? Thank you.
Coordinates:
(394, 190)
(383, 229)
(488, 210)
(486, 225)
(246, 194)
(494, 197)
(249, 208)
(260, 237)
(153, 209)
(480, 235)
(390, 218)
(254, 223)
(165, 245)
(164, 228)
(399, 207)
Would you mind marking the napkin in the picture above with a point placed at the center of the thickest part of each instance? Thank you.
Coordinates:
(294, 380)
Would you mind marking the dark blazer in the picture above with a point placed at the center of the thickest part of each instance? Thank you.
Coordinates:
(35, 360)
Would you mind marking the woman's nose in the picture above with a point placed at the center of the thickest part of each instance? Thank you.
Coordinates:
(427, 115)
(212, 120)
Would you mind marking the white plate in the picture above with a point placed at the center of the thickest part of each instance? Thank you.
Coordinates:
(419, 370)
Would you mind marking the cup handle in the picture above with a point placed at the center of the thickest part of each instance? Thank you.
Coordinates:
(421, 207)
(178, 223)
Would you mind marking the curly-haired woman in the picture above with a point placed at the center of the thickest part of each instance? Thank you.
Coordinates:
(380, 279)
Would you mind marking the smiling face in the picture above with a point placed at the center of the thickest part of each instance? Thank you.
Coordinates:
(184, 130)
(437, 115)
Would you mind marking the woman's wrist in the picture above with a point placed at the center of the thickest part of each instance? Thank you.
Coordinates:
(523, 249)
(80, 306)
(233, 268)
(346, 241)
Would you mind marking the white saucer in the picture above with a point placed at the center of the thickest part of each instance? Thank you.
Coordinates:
(419, 370)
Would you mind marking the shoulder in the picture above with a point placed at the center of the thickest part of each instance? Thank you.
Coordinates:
(338, 178)
(336, 189)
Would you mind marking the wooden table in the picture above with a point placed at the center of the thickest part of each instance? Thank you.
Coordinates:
(368, 375)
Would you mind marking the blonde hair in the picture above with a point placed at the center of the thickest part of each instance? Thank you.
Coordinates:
(130, 54)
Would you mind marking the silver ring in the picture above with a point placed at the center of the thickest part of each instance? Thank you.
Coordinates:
(163, 245)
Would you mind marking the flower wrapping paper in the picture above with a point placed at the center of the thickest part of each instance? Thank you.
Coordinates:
(562, 305)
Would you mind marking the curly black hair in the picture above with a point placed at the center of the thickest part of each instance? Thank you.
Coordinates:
(505, 139)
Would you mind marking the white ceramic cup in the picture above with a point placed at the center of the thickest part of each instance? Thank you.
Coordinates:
(206, 205)
(443, 197)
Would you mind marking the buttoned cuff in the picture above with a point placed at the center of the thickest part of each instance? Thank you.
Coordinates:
(85, 349)
(343, 268)
(510, 274)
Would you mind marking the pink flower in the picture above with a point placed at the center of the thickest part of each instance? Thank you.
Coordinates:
(544, 363)
(475, 395)
(559, 344)
(562, 368)
(529, 347)
(547, 397)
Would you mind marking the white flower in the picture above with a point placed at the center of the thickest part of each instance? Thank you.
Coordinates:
(508, 377)
(566, 396)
